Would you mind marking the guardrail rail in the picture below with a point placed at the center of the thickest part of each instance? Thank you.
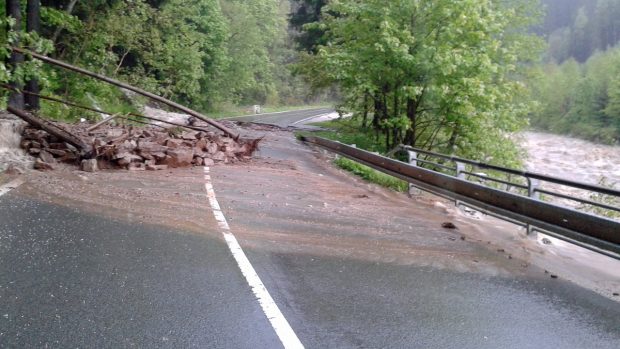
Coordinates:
(587, 230)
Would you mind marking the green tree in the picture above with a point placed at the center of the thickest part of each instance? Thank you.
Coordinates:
(435, 74)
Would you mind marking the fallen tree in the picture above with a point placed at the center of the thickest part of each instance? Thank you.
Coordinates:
(142, 92)
(54, 130)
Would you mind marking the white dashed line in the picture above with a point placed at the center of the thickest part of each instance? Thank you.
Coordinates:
(10, 186)
(283, 329)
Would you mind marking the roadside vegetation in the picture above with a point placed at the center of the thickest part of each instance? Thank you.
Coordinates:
(456, 77)
(578, 85)
(349, 131)
(212, 55)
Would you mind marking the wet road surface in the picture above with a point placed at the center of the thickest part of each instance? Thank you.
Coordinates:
(349, 265)
(69, 280)
(285, 119)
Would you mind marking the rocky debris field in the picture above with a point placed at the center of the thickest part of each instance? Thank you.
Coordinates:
(135, 148)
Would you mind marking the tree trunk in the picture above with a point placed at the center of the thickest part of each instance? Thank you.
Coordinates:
(412, 114)
(16, 99)
(453, 138)
(59, 29)
(54, 130)
(365, 114)
(33, 24)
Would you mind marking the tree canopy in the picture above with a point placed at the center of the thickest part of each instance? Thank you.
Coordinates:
(436, 74)
(205, 53)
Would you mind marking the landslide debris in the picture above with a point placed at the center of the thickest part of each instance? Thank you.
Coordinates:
(135, 148)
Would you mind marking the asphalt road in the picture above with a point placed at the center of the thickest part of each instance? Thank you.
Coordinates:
(74, 280)
(285, 119)
(349, 267)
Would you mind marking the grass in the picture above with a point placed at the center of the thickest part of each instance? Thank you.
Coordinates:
(349, 131)
(371, 175)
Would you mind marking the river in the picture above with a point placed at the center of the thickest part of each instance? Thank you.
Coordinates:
(571, 158)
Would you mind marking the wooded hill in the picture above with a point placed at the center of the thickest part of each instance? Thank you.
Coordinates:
(206, 53)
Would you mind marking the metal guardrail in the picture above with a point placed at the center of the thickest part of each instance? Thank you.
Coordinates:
(531, 177)
(590, 231)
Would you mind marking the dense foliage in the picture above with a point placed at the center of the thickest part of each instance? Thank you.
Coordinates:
(578, 28)
(578, 88)
(580, 99)
(436, 74)
(205, 53)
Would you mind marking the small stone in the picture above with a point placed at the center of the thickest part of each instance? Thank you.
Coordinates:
(151, 147)
(128, 159)
(46, 157)
(208, 162)
(14, 170)
(159, 156)
(180, 157)
(34, 151)
(553, 276)
(151, 167)
(59, 146)
(201, 144)
(616, 294)
(190, 135)
(211, 148)
(501, 250)
(89, 165)
(56, 152)
(546, 241)
(463, 238)
(198, 161)
(219, 156)
(448, 225)
(25, 144)
(42, 166)
(114, 133)
(173, 143)
(136, 166)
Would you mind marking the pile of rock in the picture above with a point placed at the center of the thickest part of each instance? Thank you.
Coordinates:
(137, 148)
(47, 149)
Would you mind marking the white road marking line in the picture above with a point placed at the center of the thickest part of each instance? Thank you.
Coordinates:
(309, 118)
(10, 186)
(279, 323)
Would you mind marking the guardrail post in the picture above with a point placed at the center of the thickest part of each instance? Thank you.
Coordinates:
(460, 168)
(532, 185)
(412, 158)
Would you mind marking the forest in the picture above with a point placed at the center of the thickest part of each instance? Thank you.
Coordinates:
(210, 54)
(577, 86)
(454, 76)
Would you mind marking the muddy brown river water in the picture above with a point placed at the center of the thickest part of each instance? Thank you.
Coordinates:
(571, 158)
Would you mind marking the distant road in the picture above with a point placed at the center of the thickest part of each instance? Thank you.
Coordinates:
(287, 118)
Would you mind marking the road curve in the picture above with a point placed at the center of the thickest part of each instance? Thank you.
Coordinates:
(285, 119)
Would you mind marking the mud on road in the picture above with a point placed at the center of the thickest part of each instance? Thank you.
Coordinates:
(290, 198)
(355, 265)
